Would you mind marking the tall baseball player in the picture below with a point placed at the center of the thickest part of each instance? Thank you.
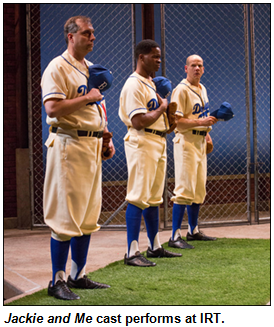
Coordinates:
(143, 113)
(72, 188)
(190, 152)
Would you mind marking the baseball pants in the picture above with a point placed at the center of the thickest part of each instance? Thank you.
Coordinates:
(190, 168)
(72, 187)
(146, 162)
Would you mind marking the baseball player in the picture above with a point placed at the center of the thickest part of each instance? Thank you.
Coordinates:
(190, 144)
(143, 113)
(72, 187)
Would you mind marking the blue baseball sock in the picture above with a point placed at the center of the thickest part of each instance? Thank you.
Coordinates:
(177, 217)
(79, 252)
(193, 213)
(151, 217)
(59, 256)
(133, 221)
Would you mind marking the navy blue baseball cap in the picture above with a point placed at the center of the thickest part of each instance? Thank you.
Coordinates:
(224, 112)
(163, 86)
(99, 77)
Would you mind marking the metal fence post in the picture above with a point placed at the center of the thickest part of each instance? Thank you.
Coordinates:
(30, 118)
(253, 81)
(247, 94)
(165, 195)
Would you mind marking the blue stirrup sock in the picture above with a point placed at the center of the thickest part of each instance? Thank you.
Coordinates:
(59, 256)
(151, 217)
(79, 252)
(193, 213)
(177, 218)
(133, 222)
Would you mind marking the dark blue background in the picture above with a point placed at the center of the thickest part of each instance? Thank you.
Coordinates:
(219, 41)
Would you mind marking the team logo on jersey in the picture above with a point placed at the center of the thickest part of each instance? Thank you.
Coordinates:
(200, 110)
(152, 105)
(82, 89)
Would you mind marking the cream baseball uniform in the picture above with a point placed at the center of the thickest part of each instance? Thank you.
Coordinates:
(145, 152)
(190, 149)
(72, 188)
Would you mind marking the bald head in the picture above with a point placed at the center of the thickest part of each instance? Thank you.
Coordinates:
(192, 57)
(194, 69)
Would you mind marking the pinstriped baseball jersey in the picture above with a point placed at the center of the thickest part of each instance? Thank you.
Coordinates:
(66, 78)
(139, 96)
(192, 102)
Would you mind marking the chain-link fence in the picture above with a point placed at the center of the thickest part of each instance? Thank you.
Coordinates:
(188, 29)
(200, 29)
(262, 73)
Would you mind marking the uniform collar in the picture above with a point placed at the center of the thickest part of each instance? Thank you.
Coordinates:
(75, 62)
(195, 88)
(145, 80)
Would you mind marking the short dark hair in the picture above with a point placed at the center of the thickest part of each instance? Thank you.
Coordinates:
(145, 47)
(71, 26)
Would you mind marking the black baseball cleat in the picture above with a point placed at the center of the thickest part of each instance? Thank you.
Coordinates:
(161, 253)
(85, 283)
(61, 291)
(138, 260)
(199, 237)
(179, 243)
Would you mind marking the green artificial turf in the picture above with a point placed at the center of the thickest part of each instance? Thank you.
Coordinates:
(224, 272)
